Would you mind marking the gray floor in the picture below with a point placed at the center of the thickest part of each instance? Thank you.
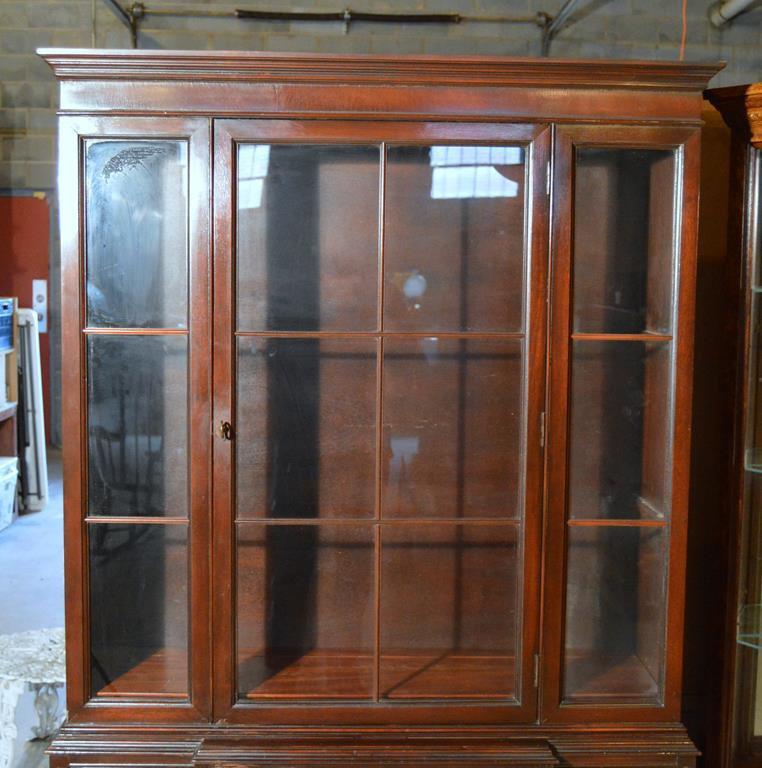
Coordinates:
(31, 590)
(31, 564)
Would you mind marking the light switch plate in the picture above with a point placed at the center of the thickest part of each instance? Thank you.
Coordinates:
(40, 303)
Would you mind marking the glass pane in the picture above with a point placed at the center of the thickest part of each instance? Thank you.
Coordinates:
(615, 615)
(749, 632)
(754, 411)
(456, 633)
(624, 218)
(750, 611)
(620, 455)
(748, 725)
(453, 428)
(756, 233)
(454, 238)
(306, 428)
(137, 233)
(137, 425)
(305, 611)
(138, 609)
(307, 237)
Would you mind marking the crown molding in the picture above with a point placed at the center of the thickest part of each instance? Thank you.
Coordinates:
(268, 67)
(741, 108)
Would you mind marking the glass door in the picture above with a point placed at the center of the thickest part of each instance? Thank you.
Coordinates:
(619, 411)
(381, 487)
(137, 331)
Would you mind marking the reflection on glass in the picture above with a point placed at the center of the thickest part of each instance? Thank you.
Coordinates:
(748, 673)
(306, 428)
(749, 631)
(453, 428)
(454, 238)
(620, 456)
(624, 217)
(754, 425)
(307, 237)
(455, 633)
(138, 610)
(756, 234)
(137, 425)
(137, 237)
(615, 615)
(749, 626)
(305, 611)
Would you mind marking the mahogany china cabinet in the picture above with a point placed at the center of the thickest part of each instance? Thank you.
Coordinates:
(378, 386)
(738, 722)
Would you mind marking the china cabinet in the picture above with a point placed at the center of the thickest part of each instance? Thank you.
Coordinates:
(739, 719)
(378, 376)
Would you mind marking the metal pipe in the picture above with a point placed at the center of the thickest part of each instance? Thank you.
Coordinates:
(538, 19)
(556, 23)
(121, 13)
(562, 16)
(128, 18)
(723, 12)
(137, 12)
(347, 16)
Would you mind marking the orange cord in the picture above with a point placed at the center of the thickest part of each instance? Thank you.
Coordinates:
(684, 38)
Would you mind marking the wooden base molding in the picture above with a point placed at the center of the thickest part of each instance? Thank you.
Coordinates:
(527, 747)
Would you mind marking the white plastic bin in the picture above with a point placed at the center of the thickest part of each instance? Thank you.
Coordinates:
(9, 474)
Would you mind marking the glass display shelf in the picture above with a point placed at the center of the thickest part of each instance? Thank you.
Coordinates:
(750, 626)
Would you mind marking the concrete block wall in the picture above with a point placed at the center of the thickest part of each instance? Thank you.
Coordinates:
(601, 29)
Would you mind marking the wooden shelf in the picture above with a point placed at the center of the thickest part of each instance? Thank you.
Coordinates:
(597, 678)
(334, 675)
(643, 336)
(314, 675)
(449, 675)
(163, 674)
(348, 675)
(422, 675)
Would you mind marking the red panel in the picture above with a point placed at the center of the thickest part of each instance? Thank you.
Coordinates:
(25, 256)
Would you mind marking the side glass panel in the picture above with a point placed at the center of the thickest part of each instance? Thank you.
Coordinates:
(620, 461)
(137, 349)
(138, 610)
(620, 426)
(137, 234)
(623, 240)
(380, 451)
(308, 237)
(137, 425)
(615, 615)
(748, 673)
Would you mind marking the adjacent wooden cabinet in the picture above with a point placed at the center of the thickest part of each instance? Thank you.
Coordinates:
(738, 721)
(378, 385)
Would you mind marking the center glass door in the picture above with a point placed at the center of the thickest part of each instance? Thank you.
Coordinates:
(379, 388)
